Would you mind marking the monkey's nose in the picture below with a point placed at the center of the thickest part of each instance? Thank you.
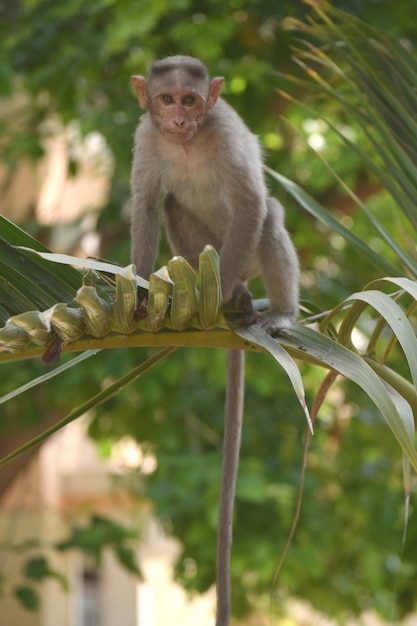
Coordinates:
(179, 121)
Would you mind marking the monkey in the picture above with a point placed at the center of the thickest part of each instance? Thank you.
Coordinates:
(196, 162)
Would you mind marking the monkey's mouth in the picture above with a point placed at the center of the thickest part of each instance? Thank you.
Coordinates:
(179, 136)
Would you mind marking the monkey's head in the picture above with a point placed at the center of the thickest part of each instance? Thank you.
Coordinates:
(178, 94)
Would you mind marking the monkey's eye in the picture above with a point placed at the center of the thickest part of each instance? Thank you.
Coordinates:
(167, 99)
(188, 100)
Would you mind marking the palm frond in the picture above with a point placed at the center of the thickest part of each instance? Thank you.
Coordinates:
(100, 328)
(28, 282)
(369, 74)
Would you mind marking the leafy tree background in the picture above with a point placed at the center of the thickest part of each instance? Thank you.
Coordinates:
(74, 60)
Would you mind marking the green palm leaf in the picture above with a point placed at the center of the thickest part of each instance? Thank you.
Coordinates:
(302, 342)
(28, 282)
(336, 356)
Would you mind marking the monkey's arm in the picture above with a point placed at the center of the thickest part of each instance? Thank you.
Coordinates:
(145, 237)
(145, 183)
(248, 212)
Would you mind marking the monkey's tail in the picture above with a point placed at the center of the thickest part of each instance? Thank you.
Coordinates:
(231, 446)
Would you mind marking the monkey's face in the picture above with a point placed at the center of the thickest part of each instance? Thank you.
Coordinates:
(178, 101)
(178, 114)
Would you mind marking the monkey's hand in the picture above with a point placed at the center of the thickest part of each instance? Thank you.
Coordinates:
(241, 302)
(242, 299)
(142, 307)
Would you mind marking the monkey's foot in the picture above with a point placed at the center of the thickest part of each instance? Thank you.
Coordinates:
(273, 322)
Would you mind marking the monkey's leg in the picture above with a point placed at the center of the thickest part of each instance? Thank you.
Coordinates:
(187, 235)
(231, 448)
(280, 270)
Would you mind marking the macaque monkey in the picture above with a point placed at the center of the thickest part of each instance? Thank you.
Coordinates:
(195, 159)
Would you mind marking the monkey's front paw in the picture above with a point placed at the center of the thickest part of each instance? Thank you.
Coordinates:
(242, 299)
(273, 322)
(142, 309)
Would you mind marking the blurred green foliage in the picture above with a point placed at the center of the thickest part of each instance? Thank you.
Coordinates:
(74, 60)
(91, 538)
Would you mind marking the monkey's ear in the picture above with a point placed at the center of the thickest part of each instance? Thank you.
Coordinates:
(215, 88)
(139, 85)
